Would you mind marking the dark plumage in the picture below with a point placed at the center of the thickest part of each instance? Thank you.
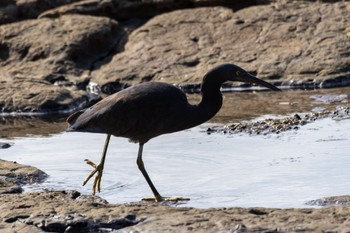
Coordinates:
(140, 112)
(147, 110)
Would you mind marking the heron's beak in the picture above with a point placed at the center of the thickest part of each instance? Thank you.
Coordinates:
(248, 78)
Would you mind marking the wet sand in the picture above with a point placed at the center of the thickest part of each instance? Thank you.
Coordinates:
(68, 211)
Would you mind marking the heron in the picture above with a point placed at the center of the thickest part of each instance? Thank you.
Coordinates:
(147, 110)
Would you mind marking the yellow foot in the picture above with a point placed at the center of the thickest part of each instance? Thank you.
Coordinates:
(97, 181)
(165, 199)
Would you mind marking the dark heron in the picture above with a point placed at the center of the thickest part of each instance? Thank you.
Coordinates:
(147, 110)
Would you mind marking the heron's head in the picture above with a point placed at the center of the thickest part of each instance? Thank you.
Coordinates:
(233, 73)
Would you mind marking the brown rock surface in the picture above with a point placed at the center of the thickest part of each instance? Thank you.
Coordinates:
(301, 44)
(128, 9)
(17, 10)
(44, 63)
(14, 175)
(57, 211)
(47, 62)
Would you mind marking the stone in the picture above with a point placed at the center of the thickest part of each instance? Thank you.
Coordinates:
(280, 124)
(13, 175)
(331, 201)
(129, 9)
(5, 145)
(18, 10)
(294, 44)
(56, 211)
(45, 63)
(75, 50)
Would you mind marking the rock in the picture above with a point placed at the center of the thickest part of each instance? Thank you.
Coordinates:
(128, 9)
(31, 9)
(331, 201)
(14, 175)
(45, 63)
(295, 44)
(17, 10)
(282, 124)
(5, 145)
(7, 186)
(57, 211)
(60, 211)
(8, 11)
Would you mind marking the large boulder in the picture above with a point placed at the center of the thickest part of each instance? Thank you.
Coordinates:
(299, 44)
(45, 63)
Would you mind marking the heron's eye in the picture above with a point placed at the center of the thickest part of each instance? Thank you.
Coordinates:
(238, 73)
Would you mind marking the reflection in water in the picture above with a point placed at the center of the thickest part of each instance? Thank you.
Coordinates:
(237, 107)
(248, 105)
(11, 127)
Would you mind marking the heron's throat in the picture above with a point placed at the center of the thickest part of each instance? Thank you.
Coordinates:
(210, 104)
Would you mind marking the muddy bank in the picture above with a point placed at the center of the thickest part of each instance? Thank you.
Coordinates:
(59, 57)
(68, 211)
(13, 176)
(278, 125)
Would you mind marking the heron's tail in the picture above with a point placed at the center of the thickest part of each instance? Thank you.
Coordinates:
(71, 120)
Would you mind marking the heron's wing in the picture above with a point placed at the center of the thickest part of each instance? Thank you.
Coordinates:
(90, 119)
(138, 113)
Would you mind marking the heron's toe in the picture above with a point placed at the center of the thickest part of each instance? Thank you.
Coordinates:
(165, 199)
(97, 181)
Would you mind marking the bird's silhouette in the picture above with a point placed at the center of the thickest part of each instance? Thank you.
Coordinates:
(147, 110)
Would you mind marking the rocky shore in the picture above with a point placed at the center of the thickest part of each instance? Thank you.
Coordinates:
(278, 125)
(69, 211)
(60, 56)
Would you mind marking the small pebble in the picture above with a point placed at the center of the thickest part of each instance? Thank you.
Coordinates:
(4, 145)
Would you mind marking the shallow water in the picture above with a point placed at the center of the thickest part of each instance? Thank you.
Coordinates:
(216, 170)
(236, 107)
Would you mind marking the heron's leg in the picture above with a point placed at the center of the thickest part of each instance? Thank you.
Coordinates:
(139, 162)
(98, 168)
(157, 196)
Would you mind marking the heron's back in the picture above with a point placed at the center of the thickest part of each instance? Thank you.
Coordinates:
(139, 113)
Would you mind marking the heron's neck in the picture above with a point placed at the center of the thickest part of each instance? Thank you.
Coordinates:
(209, 105)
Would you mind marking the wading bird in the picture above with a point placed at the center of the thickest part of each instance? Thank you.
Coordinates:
(147, 110)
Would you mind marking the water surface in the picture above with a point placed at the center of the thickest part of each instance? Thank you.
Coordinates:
(216, 170)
